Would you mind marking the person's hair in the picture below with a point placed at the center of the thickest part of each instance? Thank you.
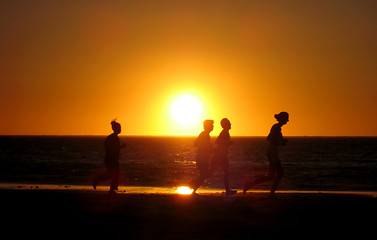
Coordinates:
(115, 126)
(207, 123)
(281, 115)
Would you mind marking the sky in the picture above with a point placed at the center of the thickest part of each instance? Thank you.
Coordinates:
(71, 67)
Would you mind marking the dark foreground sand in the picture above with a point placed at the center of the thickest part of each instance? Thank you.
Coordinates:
(58, 214)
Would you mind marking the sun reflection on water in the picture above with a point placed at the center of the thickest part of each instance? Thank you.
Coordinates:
(184, 190)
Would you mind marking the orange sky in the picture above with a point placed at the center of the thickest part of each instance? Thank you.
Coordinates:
(70, 67)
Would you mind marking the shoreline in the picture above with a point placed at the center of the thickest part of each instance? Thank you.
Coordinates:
(166, 190)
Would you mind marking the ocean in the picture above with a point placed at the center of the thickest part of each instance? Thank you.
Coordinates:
(310, 163)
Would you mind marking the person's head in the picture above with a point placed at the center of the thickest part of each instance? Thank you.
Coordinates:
(282, 117)
(116, 127)
(225, 124)
(208, 125)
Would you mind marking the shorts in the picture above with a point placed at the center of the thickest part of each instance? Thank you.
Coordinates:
(275, 164)
(203, 166)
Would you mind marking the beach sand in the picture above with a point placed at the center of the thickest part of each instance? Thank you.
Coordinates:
(88, 214)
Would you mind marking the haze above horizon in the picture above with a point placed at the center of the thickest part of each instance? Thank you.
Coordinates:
(70, 68)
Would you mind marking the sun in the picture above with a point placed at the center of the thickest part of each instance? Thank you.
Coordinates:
(186, 109)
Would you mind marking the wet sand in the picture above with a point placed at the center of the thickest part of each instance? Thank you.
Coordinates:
(88, 214)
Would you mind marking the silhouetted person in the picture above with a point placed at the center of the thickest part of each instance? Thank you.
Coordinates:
(203, 143)
(276, 170)
(220, 155)
(112, 148)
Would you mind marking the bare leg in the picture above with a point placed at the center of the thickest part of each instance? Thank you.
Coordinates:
(275, 183)
(259, 179)
(203, 167)
(225, 167)
(226, 179)
(115, 180)
(196, 183)
(102, 177)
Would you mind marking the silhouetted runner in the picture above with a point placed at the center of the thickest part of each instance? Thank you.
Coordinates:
(203, 143)
(276, 170)
(220, 155)
(112, 148)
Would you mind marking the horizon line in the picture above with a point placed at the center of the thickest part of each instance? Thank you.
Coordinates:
(145, 135)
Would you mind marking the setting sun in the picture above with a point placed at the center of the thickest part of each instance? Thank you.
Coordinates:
(186, 109)
(71, 67)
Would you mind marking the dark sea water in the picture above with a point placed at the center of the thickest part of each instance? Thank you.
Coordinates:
(310, 163)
